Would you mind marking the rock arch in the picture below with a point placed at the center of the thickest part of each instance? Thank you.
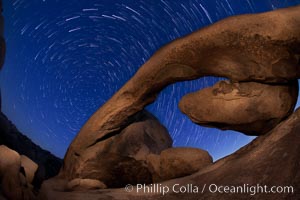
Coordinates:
(257, 52)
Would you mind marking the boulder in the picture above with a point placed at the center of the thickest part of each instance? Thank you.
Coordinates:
(8, 159)
(14, 184)
(11, 183)
(248, 107)
(84, 185)
(30, 168)
(116, 171)
(177, 162)
(144, 136)
(13, 179)
(120, 159)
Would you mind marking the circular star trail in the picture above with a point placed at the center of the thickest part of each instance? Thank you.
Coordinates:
(67, 58)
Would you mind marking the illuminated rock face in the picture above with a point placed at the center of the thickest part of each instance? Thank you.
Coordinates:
(121, 158)
(16, 175)
(258, 53)
(249, 107)
(177, 162)
(258, 48)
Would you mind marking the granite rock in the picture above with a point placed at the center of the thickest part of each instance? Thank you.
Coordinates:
(249, 107)
(177, 162)
(247, 48)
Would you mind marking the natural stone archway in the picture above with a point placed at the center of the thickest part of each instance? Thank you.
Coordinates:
(259, 48)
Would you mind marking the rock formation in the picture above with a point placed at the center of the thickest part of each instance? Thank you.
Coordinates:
(249, 107)
(143, 136)
(121, 158)
(271, 160)
(14, 179)
(140, 153)
(123, 144)
(30, 168)
(177, 162)
(248, 48)
(129, 157)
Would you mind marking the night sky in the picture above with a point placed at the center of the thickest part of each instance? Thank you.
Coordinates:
(66, 58)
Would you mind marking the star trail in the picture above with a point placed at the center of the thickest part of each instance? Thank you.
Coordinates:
(67, 58)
